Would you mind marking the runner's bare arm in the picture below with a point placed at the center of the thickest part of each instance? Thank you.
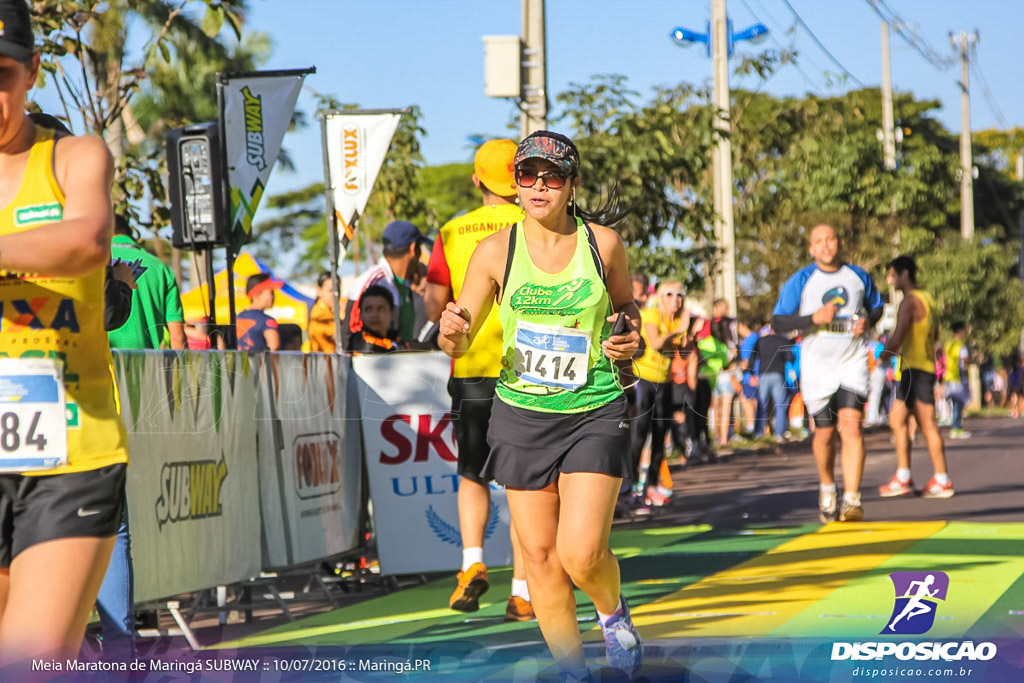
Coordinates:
(620, 291)
(435, 299)
(460, 321)
(80, 242)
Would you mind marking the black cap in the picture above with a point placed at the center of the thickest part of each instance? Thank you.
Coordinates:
(16, 39)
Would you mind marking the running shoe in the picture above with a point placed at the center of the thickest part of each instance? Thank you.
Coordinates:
(622, 641)
(667, 492)
(850, 512)
(959, 434)
(655, 498)
(936, 490)
(895, 487)
(472, 584)
(519, 609)
(828, 507)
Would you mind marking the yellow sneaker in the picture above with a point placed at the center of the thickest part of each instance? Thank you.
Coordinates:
(519, 609)
(472, 584)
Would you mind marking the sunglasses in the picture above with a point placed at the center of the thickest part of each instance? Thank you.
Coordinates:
(553, 180)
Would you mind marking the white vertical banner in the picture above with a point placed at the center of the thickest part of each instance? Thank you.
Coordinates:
(411, 462)
(356, 146)
(258, 108)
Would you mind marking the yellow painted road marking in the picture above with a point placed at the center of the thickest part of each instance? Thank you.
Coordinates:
(759, 595)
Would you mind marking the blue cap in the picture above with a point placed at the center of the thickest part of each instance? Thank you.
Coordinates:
(400, 234)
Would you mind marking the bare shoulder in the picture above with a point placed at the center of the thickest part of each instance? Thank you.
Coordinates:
(608, 240)
(493, 250)
(82, 154)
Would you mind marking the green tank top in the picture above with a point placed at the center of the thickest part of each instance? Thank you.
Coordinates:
(552, 329)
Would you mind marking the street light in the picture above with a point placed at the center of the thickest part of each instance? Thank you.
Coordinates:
(722, 40)
(685, 37)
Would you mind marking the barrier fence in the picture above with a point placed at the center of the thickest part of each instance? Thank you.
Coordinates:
(242, 464)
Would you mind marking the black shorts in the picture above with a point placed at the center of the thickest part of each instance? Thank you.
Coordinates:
(916, 385)
(471, 413)
(844, 398)
(530, 448)
(34, 510)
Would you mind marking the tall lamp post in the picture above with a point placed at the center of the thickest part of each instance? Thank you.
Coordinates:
(719, 37)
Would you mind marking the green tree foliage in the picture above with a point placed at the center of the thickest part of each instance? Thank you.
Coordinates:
(85, 56)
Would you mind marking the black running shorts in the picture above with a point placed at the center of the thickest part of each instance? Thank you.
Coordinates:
(916, 385)
(471, 413)
(34, 510)
(844, 398)
(529, 449)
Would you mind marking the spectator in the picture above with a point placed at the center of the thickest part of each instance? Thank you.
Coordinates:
(199, 336)
(290, 336)
(402, 248)
(772, 353)
(751, 409)
(641, 289)
(256, 330)
(321, 316)
(157, 320)
(958, 389)
(376, 312)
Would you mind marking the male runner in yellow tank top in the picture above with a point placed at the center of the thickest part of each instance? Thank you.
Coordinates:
(914, 341)
(475, 374)
(63, 459)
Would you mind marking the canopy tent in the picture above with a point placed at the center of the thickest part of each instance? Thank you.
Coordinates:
(290, 305)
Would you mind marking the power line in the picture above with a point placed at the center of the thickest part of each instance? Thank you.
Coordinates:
(909, 33)
(988, 93)
(821, 45)
(775, 40)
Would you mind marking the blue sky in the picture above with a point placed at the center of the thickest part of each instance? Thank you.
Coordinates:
(394, 53)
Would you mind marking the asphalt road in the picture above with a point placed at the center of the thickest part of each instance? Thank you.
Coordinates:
(781, 488)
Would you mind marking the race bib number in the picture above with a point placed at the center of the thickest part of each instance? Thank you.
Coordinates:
(552, 356)
(33, 418)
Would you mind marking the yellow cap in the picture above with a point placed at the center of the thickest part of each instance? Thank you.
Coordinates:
(493, 166)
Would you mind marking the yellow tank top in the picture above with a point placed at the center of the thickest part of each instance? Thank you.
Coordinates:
(459, 238)
(62, 318)
(653, 366)
(918, 350)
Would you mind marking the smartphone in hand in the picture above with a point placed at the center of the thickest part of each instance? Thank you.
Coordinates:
(621, 325)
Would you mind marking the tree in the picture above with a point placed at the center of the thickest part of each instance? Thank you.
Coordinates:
(85, 54)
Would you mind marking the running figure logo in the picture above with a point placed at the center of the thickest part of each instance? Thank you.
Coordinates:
(917, 594)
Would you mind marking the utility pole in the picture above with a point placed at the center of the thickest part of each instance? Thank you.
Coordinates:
(963, 44)
(534, 101)
(888, 132)
(724, 228)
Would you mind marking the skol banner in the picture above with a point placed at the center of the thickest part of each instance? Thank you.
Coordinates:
(411, 462)
(257, 110)
(356, 147)
(193, 487)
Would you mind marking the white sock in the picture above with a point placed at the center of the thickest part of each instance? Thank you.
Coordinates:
(851, 498)
(520, 589)
(903, 475)
(942, 479)
(605, 617)
(829, 489)
(471, 556)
